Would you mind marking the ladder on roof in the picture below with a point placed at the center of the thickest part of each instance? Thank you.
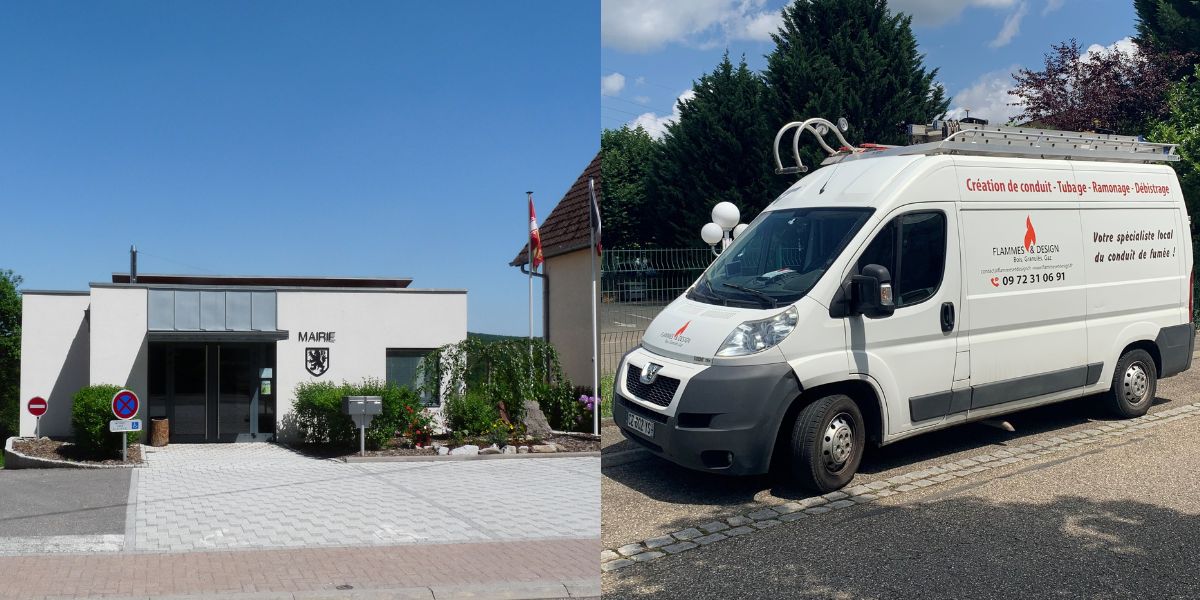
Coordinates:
(955, 137)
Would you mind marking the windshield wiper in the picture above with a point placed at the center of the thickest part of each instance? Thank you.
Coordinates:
(711, 294)
(767, 297)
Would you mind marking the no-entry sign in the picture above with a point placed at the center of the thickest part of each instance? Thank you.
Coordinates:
(125, 404)
(37, 406)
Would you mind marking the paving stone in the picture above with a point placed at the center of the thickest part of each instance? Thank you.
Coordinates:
(856, 490)
(705, 540)
(925, 482)
(908, 487)
(877, 485)
(688, 534)
(743, 530)
(811, 502)
(659, 542)
(631, 549)
(713, 527)
(841, 504)
(831, 496)
(788, 508)
(796, 516)
(647, 556)
(885, 493)
(607, 555)
(738, 521)
(616, 564)
(899, 479)
(766, 513)
(864, 498)
(943, 477)
(680, 547)
(817, 510)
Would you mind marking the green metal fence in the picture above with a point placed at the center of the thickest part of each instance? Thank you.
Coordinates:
(634, 286)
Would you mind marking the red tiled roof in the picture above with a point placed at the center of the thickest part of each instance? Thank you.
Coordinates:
(567, 227)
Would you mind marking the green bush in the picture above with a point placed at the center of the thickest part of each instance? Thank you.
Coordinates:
(318, 412)
(508, 372)
(472, 413)
(91, 410)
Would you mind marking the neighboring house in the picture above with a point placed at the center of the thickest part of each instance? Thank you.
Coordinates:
(566, 246)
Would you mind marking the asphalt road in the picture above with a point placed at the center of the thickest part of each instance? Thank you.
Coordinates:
(46, 502)
(1113, 520)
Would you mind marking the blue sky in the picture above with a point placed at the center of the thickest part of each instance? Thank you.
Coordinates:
(292, 138)
(652, 50)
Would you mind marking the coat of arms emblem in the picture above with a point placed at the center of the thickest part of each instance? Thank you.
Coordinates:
(316, 361)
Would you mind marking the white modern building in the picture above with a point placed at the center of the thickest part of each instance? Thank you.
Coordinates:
(221, 356)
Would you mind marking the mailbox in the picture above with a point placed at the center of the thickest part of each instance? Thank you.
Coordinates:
(362, 409)
(362, 405)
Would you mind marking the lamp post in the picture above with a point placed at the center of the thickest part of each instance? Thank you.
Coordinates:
(724, 227)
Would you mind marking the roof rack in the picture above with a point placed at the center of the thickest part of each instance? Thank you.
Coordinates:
(956, 137)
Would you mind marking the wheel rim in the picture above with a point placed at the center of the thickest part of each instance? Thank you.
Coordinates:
(837, 444)
(1135, 386)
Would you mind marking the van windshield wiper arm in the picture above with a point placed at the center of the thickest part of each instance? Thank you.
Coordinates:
(767, 297)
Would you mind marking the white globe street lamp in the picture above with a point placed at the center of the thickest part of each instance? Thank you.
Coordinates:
(724, 228)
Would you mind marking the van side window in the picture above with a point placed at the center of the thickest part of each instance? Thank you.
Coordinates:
(919, 240)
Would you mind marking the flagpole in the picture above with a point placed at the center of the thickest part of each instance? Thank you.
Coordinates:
(529, 255)
(595, 362)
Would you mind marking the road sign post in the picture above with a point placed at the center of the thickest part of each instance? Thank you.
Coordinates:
(125, 405)
(37, 407)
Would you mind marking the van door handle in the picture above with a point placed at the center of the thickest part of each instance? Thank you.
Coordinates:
(947, 316)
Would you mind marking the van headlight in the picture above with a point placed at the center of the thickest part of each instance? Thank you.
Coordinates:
(756, 336)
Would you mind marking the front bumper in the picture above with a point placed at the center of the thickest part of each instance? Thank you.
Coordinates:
(722, 419)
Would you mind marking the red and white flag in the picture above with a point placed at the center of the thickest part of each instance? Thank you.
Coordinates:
(535, 239)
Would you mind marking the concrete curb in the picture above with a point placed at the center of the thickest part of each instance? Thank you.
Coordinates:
(16, 460)
(524, 590)
(449, 458)
(770, 515)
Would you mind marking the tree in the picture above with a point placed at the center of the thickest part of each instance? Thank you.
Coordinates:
(853, 59)
(718, 150)
(1182, 126)
(10, 353)
(1168, 26)
(1107, 90)
(625, 156)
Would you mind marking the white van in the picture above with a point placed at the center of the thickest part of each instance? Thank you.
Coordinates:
(902, 290)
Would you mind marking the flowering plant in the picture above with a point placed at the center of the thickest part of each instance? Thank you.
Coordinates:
(589, 402)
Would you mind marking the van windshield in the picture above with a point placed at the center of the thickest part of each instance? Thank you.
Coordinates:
(779, 258)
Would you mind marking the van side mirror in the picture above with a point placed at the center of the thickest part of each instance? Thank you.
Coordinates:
(871, 292)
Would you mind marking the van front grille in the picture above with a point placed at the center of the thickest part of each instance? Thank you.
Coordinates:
(661, 392)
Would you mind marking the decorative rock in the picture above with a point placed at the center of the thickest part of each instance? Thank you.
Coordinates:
(510, 449)
(490, 450)
(523, 450)
(468, 450)
(535, 420)
(443, 451)
(544, 448)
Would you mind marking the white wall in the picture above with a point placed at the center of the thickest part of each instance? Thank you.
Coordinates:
(570, 312)
(118, 346)
(54, 357)
(367, 324)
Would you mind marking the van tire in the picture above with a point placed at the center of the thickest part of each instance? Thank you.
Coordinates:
(1134, 384)
(827, 443)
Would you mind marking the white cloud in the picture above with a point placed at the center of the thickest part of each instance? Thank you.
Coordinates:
(1052, 5)
(612, 84)
(933, 13)
(641, 80)
(1124, 45)
(642, 99)
(647, 25)
(655, 125)
(987, 98)
(1011, 27)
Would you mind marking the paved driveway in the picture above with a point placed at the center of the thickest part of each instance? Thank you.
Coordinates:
(204, 497)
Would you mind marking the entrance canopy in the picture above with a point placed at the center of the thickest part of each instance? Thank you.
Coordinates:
(212, 315)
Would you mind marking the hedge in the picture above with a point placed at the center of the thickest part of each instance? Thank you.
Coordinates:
(318, 412)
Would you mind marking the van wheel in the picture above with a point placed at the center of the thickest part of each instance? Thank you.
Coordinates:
(1134, 384)
(827, 443)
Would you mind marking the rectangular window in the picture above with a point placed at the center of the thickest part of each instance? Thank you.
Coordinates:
(406, 368)
(919, 239)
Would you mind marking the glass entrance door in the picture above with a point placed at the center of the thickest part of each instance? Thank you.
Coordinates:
(215, 391)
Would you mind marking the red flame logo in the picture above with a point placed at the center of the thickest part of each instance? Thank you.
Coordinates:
(1030, 234)
(682, 329)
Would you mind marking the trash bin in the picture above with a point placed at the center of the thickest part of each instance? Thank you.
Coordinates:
(160, 431)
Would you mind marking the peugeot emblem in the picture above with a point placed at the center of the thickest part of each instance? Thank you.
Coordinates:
(650, 373)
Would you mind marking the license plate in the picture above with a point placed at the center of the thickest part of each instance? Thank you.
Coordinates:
(640, 424)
